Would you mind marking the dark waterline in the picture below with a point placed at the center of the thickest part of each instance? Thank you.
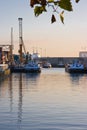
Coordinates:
(51, 100)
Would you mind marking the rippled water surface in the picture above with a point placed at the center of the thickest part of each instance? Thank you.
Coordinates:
(51, 100)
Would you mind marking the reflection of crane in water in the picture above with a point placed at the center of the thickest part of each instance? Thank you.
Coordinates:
(19, 99)
(21, 43)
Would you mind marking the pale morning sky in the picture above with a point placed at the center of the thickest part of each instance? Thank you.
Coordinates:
(49, 39)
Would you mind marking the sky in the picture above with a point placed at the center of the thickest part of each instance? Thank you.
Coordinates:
(52, 40)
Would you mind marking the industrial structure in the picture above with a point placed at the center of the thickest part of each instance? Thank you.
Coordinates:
(21, 43)
(6, 51)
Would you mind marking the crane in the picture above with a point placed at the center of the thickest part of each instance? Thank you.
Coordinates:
(21, 43)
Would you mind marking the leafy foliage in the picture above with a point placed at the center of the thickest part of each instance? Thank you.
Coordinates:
(65, 4)
(39, 9)
(53, 19)
(62, 17)
(40, 6)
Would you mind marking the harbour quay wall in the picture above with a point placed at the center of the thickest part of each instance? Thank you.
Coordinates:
(62, 61)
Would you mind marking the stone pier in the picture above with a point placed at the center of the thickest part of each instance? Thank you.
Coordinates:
(62, 61)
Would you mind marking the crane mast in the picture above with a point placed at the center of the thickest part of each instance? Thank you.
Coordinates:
(21, 43)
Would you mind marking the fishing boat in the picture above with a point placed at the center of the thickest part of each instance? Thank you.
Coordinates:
(46, 65)
(75, 67)
(32, 67)
(60, 65)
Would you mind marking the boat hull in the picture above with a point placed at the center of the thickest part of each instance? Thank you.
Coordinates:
(32, 69)
(77, 70)
(17, 69)
(25, 70)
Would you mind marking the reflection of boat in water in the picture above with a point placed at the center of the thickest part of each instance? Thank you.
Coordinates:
(4, 71)
(32, 77)
(75, 68)
(46, 65)
(30, 67)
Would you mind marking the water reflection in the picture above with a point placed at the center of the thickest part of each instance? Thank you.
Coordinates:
(3, 87)
(12, 96)
(56, 104)
(11, 92)
(20, 99)
(17, 86)
(76, 78)
(33, 76)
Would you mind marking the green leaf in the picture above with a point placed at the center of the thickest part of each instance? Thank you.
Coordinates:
(33, 2)
(66, 5)
(39, 10)
(62, 17)
(50, 1)
(53, 19)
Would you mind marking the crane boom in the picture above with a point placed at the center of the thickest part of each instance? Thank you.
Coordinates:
(23, 45)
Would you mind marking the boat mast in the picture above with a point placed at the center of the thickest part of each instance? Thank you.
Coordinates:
(11, 46)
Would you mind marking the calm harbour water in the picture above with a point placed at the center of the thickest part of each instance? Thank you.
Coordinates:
(51, 100)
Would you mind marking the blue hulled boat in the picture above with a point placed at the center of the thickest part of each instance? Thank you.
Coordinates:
(76, 67)
(30, 67)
